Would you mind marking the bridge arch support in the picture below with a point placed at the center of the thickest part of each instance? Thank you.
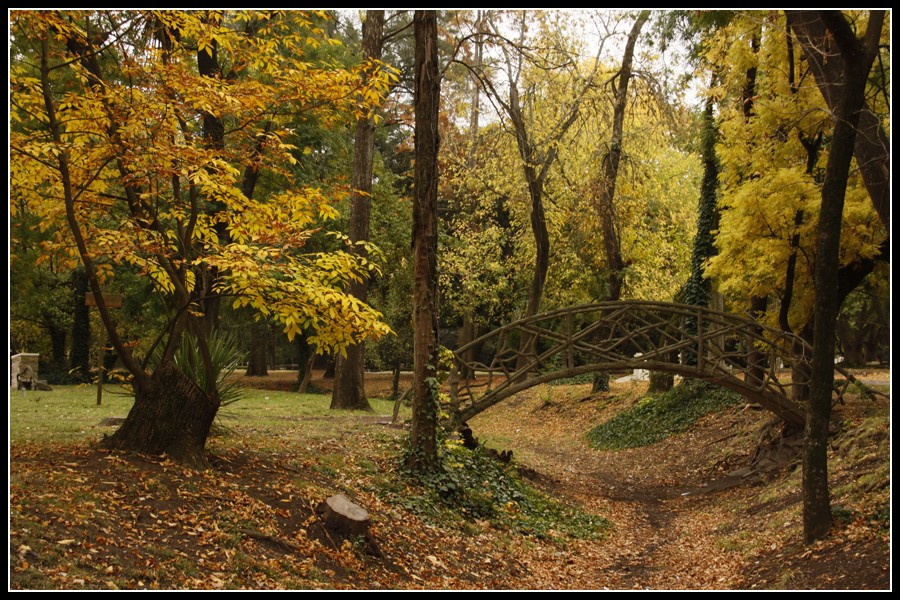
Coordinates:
(735, 352)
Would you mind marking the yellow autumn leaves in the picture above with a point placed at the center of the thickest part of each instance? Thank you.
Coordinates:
(155, 188)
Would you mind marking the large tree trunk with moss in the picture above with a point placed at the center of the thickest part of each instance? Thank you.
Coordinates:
(698, 289)
(349, 391)
(170, 416)
(423, 456)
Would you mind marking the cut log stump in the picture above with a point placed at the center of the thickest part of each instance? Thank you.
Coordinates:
(342, 517)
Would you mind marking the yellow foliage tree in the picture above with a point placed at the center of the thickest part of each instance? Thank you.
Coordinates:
(773, 159)
(140, 137)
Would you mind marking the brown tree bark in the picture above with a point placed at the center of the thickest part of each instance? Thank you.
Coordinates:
(80, 348)
(606, 190)
(170, 416)
(423, 456)
(813, 146)
(256, 360)
(57, 347)
(213, 131)
(872, 147)
(756, 359)
(756, 371)
(826, 31)
(604, 202)
(349, 391)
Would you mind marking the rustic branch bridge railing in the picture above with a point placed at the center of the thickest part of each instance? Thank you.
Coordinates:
(732, 351)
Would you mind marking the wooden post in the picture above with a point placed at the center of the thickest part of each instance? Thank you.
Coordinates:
(454, 385)
(701, 350)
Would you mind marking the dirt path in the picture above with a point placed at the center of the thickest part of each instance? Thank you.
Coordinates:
(680, 521)
(655, 543)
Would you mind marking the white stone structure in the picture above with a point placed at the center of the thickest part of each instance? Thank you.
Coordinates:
(18, 364)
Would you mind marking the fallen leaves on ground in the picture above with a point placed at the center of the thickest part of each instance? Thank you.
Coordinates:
(83, 518)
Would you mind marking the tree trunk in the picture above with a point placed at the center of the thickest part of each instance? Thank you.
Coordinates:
(800, 373)
(349, 391)
(600, 382)
(305, 360)
(541, 260)
(171, 416)
(57, 348)
(855, 58)
(871, 146)
(213, 130)
(256, 360)
(395, 381)
(330, 366)
(109, 359)
(660, 382)
(424, 457)
(606, 190)
(756, 360)
(80, 354)
(466, 335)
(698, 289)
(756, 368)
(467, 330)
(305, 375)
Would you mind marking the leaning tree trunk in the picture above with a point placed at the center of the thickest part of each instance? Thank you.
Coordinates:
(609, 171)
(527, 349)
(305, 360)
(855, 57)
(171, 416)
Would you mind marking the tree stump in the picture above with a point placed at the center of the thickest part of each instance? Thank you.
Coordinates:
(341, 516)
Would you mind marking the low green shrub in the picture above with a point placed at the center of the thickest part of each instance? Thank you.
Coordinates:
(656, 417)
(475, 486)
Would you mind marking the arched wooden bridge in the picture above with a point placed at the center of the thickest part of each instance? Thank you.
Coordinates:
(732, 351)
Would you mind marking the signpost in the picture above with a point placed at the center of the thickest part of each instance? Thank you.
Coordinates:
(112, 301)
